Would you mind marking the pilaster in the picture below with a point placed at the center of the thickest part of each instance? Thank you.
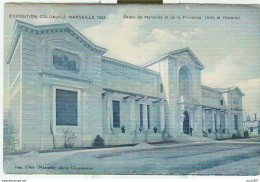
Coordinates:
(204, 120)
(218, 120)
(162, 115)
(131, 100)
(145, 120)
(213, 120)
(109, 111)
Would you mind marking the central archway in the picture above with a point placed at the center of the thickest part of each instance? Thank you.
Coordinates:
(186, 123)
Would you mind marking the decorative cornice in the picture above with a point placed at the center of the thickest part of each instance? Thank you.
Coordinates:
(170, 55)
(131, 94)
(21, 26)
(214, 108)
(68, 29)
(233, 109)
(162, 101)
(128, 65)
(209, 88)
(232, 89)
(13, 46)
(59, 75)
(223, 90)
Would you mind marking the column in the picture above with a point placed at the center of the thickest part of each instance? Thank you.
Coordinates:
(207, 118)
(204, 120)
(162, 115)
(226, 120)
(192, 119)
(218, 120)
(213, 120)
(145, 120)
(85, 118)
(198, 122)
(227, 123)
(109, 111)
(132, 113)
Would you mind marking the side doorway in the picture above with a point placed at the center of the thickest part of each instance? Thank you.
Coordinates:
(186, 123)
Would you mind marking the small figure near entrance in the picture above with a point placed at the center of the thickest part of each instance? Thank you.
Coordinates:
(191, 131)
(186, 123)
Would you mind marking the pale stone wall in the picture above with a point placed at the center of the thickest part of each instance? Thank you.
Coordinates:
(237, 96)
(224, 113)
(39, 80)
(35, 92)
(235, 109)
(177, 104)
(122, 77)
(32, 61)
(15, 108)
(15, 64)
(210, 97)
(15, 82)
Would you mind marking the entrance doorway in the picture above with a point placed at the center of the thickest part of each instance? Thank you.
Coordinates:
(186, 123)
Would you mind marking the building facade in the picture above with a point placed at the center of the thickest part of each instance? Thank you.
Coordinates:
(63, 89)
(252, 127)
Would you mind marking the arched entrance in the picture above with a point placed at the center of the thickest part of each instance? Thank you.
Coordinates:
(186, 123)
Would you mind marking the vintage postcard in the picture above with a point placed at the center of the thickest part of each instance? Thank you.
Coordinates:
(131, 89)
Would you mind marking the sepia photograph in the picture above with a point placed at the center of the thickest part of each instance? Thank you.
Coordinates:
(131, 89)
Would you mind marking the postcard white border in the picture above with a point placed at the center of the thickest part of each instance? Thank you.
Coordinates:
(84, 178)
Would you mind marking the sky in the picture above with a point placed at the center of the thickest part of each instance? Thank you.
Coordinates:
(229, 49)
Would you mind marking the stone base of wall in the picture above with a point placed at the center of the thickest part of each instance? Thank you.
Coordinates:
(223, 135)
(154, 137)
(219, 135)
(132, 138)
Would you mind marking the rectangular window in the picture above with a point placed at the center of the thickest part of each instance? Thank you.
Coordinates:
(236, 121)
(161, 88)
(116, 114)
(66, 107)
(148, 116)
(141, 115)
(251, 129)
(221, 102)
(64, 60)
